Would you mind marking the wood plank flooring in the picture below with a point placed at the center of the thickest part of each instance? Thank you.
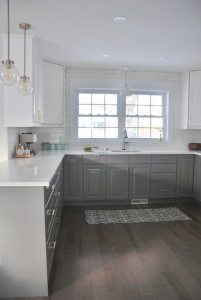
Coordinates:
(147, 261)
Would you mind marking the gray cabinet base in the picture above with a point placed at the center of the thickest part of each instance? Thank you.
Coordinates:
(128, 202)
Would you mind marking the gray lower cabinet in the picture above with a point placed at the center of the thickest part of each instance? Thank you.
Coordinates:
(140, 181)
(94, 182)
(117, 182)
(185, 167)
(197, 179)
(72, 178)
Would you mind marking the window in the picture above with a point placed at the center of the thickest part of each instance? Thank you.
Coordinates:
(105, 115)
(97, 115)
(145, 116)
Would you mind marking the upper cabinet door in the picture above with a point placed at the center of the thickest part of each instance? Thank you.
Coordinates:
(18, 109)
(195, 100)
(191, 100)
(53, 93)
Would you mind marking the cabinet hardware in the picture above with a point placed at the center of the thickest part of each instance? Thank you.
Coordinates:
(57, 194)
(58, 220)
(164, 190)
(58, 173)
(53, 187)
(94, 172)
(50, 212)
(52, 245)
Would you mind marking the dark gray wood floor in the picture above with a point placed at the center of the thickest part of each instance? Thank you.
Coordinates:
(147, 261)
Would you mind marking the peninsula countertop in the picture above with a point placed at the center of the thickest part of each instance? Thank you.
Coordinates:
(38, 170)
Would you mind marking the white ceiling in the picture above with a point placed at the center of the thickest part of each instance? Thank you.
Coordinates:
(78, 32)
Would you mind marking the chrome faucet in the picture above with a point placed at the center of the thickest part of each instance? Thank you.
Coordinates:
(124, 142)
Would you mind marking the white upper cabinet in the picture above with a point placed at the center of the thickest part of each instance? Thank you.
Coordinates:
(18, 109)
(44, 107)
(53, 76)
(191, 100)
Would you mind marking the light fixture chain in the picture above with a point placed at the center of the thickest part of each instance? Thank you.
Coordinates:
(8, 24)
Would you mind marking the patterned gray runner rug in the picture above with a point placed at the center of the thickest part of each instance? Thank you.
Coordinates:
(136, 215)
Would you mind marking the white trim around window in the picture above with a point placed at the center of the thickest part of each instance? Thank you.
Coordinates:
(99, 112)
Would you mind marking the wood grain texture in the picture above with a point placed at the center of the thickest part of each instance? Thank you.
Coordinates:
(147, 261)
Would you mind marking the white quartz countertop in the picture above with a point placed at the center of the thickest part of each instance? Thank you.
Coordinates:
(38, 170)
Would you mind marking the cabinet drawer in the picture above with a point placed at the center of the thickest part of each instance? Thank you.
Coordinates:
(163, 189)
(56, 187)
(51, 245)
(118, 159)
(52, 238)
(164, 168)
(90, 159)
(53, 183)
(51, 211)
(140, 159)
(168, 159)
(163, 177)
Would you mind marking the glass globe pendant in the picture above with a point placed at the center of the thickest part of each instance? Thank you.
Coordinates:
(24, 84)
(8, 72)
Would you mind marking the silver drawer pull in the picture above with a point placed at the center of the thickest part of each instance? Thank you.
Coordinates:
(57, 194)
(58, 173)
(53, 187)
(164, 190)
(50, 212)
(52, 245)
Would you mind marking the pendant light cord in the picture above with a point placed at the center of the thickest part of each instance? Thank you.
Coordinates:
(8, 20)
(25, 51)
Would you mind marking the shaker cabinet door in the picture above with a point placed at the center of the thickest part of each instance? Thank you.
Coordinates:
(117, 182)
(185, 168)
(94, 182)
(140, 181)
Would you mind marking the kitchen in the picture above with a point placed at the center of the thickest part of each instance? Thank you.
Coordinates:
(100, 163)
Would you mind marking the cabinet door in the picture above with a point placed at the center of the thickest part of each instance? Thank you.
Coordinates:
(197, 179)
(72, 178)
(94, 182)
(18, 109)
(185, 168)
(53, 93)
(140, 181)
(38, 85)
(195, 100)
(117, 182)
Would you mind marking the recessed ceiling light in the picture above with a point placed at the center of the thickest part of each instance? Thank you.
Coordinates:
(164, 58)
(120, 19)
(105, 55)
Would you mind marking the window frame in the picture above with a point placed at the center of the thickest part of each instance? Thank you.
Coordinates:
(121, 114)
(165, 113)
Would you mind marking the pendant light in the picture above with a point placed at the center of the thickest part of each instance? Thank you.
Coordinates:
(125, 91)
(24, 84)
(8, 72)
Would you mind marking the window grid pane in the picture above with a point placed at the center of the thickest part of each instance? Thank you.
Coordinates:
(144, 116)
(97, 115)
